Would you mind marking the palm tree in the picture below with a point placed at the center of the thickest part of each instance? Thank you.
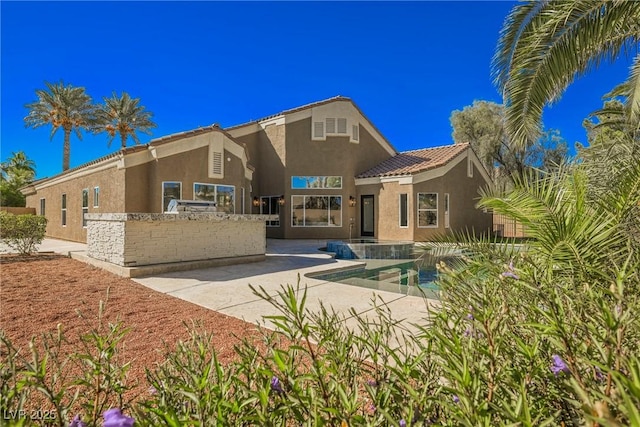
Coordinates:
(123, 116)
(544, 45)
(61, 106)
(18, 165)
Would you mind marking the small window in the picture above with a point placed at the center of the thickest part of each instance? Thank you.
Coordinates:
(170, 190)
(42, 206)
(469, 167)
(318, 130)
(331, 126)
(63, 212)
(85, 206)
(404, 211)
(355, 132)
(96, 196)
(342, 126)
(428, 210)
(446, 210)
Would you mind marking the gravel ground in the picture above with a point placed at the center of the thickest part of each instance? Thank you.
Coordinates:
(39, 292)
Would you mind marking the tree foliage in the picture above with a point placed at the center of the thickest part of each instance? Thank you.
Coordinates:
(123, 116)
(71, 109)
(481, 125)
(63, 107)
(16, 172)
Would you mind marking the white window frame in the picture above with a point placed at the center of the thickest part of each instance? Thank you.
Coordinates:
(96, 197)
(400, 209)
(304, 208)
(43, 205)
(265, 209)
(426, 210)
(215, 192)
(63, 209)
(162, 209)
(469, 166)
(447, 208)
(85, 208)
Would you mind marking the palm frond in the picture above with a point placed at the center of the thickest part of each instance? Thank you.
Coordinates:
(544, 47)
(123, 116)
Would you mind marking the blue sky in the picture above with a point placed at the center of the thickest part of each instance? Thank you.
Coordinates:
(406, 65)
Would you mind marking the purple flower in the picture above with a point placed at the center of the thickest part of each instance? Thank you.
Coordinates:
(372, 383)
(467, 333)
(372, 407)
(114, 418)
(599, 375)
(510, 272)
(456, 399)
(558, 365)
(402, 423)
(152, 390)
(275, 385)
(77, 422)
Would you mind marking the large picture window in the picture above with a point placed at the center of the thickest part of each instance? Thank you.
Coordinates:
(269, 206)
(316, 211)
(85, 205)
(302, 182)
(170, 190)
(223, 195)
(427, 209)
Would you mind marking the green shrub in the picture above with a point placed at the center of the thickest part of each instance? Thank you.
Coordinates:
(22, 233)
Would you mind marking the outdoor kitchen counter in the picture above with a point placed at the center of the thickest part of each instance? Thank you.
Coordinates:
(181, 216)
(141, 239)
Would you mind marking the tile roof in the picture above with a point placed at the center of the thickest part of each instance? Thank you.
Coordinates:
(415, 161)
(292, 110)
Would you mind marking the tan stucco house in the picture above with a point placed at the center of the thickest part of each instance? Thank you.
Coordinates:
(323, 168)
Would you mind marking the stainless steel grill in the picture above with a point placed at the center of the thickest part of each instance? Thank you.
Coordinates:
(177, 206)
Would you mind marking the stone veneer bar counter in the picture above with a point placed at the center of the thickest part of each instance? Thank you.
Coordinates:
(142, 239)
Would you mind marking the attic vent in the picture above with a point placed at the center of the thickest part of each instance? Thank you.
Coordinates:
(355, 132)
(217, 163)
(342, 126)
(331, 126)
(318, 130)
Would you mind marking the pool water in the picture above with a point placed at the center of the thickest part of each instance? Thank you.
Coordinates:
(407, 278)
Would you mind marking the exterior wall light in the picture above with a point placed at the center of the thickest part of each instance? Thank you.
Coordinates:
(256, 201)
(352, 201)
(281, 200)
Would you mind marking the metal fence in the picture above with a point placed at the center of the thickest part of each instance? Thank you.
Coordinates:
(506, 227)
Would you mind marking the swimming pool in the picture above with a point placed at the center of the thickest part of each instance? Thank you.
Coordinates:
(407, 277)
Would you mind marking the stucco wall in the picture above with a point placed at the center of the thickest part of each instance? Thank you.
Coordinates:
(334, 157)
(463, 196)
(111, 199)
(148, 239)
(144, 182)
(388, 211)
